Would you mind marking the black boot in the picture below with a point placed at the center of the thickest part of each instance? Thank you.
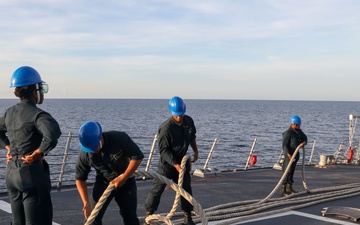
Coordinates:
(148, 213)
(283, 191)
(187, 219)
(289, 189)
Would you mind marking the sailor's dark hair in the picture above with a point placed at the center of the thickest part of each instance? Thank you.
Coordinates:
(25, 92)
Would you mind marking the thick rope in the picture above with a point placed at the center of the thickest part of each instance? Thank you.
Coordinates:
(250, 208)
(163, 179)
(247, 210)
(250, 211)
(283, 176)
(312, 201)
(180, 183)
(197, 207)
(303, 172)
(158, 217)
(249, 202)
(100, 203)
(179, 192)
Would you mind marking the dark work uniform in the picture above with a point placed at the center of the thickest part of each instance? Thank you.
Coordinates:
(291, 140)
(29, 128)
(112, 160)
(174, 140)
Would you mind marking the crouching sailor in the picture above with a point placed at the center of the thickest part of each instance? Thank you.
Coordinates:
(111, 154)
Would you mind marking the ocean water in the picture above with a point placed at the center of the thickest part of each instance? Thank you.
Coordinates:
(235, 123)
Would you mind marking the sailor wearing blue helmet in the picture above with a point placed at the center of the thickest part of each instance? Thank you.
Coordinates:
(292, 138)
(111, 154)
(175, 135)
(31, 134)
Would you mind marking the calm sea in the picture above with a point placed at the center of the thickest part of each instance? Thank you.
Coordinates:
(235, 123)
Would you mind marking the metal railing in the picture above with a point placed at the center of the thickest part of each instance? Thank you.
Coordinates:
(63, 158)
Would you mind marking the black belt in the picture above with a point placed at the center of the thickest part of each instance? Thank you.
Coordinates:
(16, 157)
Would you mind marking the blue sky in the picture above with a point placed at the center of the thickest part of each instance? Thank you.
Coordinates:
(238, 49)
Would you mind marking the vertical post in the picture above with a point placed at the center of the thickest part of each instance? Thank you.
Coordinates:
(64, 161)
(338, 152)
(251, 152)
(151, 153)
(351, 130)
(312, 152)
(210, 153)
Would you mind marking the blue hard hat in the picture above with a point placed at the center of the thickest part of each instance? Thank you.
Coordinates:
(89, 136)
(177, 106)
(25, 76)
(296, 120)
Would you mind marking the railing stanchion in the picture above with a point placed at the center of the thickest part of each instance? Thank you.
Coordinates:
(210, 153)
(251, 152)
(151, 153)
(64, 161)
(312, 152)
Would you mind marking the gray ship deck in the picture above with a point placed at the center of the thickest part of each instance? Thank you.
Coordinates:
(229, 187)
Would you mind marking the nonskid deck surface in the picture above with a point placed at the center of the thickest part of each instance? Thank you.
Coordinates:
(226, 187)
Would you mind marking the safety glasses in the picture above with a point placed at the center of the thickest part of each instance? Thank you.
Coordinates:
(44, 88)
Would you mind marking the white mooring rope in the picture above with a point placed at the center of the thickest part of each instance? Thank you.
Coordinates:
(180, 192)
(180, 183)
(242, 210)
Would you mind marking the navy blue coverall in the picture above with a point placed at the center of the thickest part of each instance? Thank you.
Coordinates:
(29, 128)
(113, 160)
(290, 141)
(174, 140)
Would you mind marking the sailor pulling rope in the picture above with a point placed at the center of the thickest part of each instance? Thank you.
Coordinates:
(286, 172)
(197, 207)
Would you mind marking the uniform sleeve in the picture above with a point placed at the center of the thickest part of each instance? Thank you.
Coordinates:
(286, 141)
(303, 137)
(3, 138)
(50, 130)
(83, 167)
(193, 134)
(131, 149)
(165, 147)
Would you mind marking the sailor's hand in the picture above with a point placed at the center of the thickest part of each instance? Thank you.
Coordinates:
(8, 157)
(178, 167)
(302, 144)
(34, 157)
(87, 210)
(118, 182)
(294, 160)
(196, 156)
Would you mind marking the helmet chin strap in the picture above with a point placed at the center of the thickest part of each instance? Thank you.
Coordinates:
(38, 94)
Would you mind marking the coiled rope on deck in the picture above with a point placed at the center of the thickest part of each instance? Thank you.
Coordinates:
(166, 219)
(305, 202)
(253, 209)
(247, 210)
(197, 207)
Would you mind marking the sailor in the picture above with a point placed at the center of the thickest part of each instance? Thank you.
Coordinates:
(175, 135)
(291, 139)
(28, 133)
(111, 154)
